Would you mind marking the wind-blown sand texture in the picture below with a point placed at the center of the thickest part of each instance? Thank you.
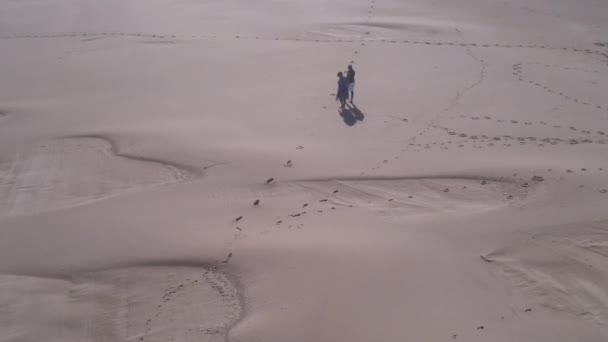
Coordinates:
(179, 171)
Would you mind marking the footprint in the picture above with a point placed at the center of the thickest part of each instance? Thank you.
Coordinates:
(223, 262)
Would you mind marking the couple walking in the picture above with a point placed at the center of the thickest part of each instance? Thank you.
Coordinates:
(346, 85)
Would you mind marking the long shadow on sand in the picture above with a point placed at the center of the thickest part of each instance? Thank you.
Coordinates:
(351, 114)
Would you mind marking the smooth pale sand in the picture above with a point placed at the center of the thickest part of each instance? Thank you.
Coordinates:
(464, 198)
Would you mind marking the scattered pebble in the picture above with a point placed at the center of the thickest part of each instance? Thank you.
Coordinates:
(238, 219)
(269, 180)
(257, 201)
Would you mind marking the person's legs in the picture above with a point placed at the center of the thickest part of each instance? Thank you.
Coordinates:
(343, 102)
(351, 89)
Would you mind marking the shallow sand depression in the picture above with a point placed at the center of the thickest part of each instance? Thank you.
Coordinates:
(122, 304)
(77, 170)
(180, 171)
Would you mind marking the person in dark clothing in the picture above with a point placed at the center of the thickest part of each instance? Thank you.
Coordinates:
(342, 93)
(350, 76)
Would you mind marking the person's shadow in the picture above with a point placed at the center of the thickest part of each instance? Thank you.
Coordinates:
(351, 114)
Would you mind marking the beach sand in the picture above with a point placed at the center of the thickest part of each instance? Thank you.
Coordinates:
(180, 171)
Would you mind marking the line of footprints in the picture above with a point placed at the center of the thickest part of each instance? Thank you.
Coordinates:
(366, 40)
(581, 136)
(518, 72)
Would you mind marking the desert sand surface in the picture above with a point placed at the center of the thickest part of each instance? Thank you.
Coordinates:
(180, 171)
